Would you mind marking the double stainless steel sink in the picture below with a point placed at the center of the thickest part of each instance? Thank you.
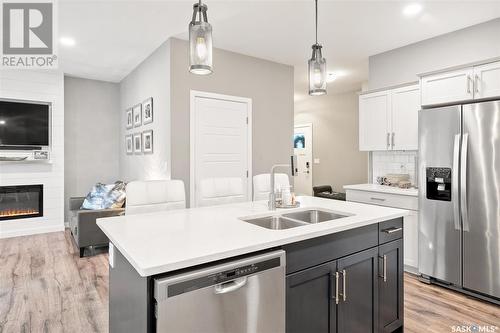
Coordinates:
(295, 219)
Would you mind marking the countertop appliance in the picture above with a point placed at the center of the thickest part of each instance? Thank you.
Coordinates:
(459, 180)
(246, 295)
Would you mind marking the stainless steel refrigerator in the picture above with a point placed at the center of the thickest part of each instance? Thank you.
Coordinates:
(459, 182)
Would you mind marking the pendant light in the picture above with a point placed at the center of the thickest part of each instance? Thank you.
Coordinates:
(200, 41)
(317, 66)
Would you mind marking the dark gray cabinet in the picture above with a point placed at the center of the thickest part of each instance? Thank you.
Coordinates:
(310, 303)
(357, 287)
(358, 301)
(390, 286)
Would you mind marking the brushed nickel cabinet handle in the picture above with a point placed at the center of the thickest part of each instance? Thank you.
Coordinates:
(388, 140)
(377, 199)
(385, 268)
(393, 136)
(336, 295)
(344, 285)
(476, 83)
(392, 230)
(468, 83)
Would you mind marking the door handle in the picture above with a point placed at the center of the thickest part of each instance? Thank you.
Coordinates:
(344, 285)
(454, 182)
(335, 295)
(384, 269)
(230, 286)
(388, 140)
(392, 230)
(393, 135)
(463, 182)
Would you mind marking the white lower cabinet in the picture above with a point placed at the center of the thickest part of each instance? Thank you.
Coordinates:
(410, 237)
(410, 222)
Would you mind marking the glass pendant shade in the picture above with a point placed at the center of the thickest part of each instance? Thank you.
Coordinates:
(200, 41)
(317, 72)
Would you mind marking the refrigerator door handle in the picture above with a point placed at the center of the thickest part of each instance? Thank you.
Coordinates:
(463, 182)
(454, 182)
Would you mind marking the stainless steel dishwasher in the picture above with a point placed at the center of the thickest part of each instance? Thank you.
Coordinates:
(246, 295)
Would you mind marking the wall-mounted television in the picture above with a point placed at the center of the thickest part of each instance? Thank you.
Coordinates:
(24, 125)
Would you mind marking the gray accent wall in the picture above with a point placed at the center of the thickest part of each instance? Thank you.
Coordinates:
(151, 78)
(334, 119)
(476, 43)
(270, 85)
(91, 129)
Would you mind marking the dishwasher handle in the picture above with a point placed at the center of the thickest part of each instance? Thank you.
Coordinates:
(227, 287)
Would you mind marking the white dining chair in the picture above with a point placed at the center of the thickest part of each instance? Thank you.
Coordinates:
(262, 184)
(219, 191)
(154, 195)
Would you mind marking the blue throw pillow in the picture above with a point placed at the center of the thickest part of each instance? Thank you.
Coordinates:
(105, 196)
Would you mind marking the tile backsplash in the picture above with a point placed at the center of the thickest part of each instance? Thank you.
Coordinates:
(384, 162)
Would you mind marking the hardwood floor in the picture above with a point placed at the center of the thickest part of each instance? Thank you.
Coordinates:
(46, 287)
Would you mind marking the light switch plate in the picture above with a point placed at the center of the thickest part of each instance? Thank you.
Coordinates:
(316, 161)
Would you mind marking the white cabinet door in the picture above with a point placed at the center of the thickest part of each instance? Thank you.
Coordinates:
(487, 80)
(447, 87)
(410, 237)
(374, 121)
(405, 106)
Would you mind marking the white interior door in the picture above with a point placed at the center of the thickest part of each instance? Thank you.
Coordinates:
(302, 148)
(220, 141)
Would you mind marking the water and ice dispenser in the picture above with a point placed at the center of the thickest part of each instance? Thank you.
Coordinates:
(438, 184)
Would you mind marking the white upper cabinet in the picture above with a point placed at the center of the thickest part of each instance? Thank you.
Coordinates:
(405, 106)
(447, 87)
(487, 80)
(474, 82)
(388, 120)
(374, 121)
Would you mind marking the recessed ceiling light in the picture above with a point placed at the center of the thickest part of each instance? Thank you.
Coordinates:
(412, 9)
(67, 41)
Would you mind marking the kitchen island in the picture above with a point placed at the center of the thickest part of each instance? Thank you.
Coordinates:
(365, 245)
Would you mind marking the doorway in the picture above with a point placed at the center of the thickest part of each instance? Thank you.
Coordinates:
(220, 140)
(302, 148)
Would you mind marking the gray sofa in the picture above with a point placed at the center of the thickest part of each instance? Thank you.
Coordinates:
(83, 225)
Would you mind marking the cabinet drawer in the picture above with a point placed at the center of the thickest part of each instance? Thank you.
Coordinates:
(390, 230)
(383, 199)
(312, 252)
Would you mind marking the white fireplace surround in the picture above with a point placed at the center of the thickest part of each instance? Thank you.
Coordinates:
(46, 87)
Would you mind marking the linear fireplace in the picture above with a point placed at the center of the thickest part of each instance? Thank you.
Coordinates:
(21, 202)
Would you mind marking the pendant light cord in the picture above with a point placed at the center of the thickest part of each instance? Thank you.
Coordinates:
(316, 1)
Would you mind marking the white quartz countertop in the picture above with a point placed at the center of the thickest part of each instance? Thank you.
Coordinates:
(383, 189)
(166, 241)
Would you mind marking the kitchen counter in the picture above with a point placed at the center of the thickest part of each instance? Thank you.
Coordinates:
(383, 189)
(162, 242)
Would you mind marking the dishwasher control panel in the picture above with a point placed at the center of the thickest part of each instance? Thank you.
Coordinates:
(221, 277)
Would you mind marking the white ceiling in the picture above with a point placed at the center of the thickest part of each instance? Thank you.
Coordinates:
(113, 37)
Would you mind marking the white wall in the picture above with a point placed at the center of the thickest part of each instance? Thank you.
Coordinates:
(472, 44)
(268, 84)
(150, 79)
(38, 86)
(335, 137)
(91, 134)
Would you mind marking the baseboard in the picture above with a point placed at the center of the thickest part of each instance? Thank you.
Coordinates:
(31, 231)
(411, 270)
